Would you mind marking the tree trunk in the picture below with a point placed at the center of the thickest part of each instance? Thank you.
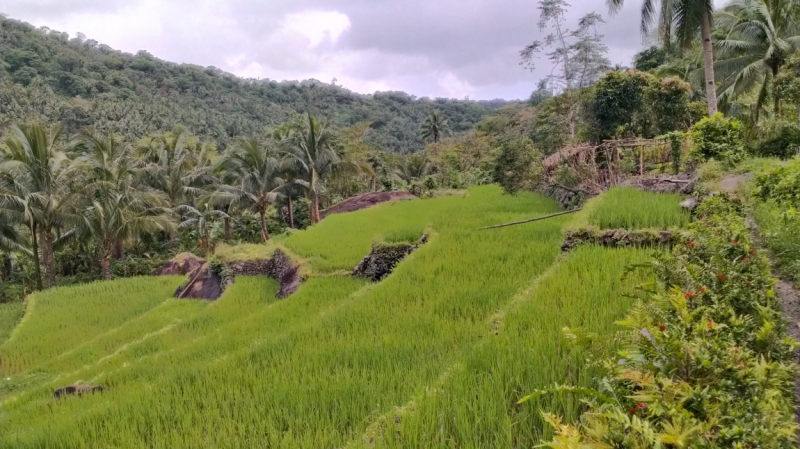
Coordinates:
(228, 225)
(118, 250)
(291, 212)
(777, 103)
(708, 63)
(314, 207)
(7, 267)
(105, 259)
(36, 262)
(264, 233)
(49, 257)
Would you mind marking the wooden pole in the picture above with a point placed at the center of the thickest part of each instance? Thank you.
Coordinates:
(641, 161)
(530, 219)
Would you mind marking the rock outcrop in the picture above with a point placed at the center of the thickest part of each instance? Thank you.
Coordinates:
(380, 262)
(618, 238)
(680, 183)
(366, 200)
(278, 267)
(77, 390)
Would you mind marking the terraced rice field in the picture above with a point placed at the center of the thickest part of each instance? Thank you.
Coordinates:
(435, 355)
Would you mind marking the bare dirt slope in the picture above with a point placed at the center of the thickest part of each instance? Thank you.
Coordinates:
(366, 200)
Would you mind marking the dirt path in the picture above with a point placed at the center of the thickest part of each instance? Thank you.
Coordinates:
(790, 305)
(730, 182)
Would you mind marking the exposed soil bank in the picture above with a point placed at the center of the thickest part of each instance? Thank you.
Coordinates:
(380, 262)
(205, 283)
(366, 200)
(616, 238)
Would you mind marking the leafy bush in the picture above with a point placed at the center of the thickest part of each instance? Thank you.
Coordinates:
(705, 362)
(783, 143)
(637, 103)
(779, 184)
(718, 138)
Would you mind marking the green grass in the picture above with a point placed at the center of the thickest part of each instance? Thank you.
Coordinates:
(524, 348)
(631, 208)
(326, 366)
(10, 314)
(54, 324)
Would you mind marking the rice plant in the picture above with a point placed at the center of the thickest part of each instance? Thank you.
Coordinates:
(10, 314)
(320, 368)
(631, 208)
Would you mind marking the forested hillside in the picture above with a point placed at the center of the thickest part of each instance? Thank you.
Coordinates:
(80, 82)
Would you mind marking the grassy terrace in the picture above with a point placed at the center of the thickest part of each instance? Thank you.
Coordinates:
(341, 362)
(631, 208)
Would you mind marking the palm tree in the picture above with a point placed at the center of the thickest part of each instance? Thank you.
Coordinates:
(413, 168)
(314, 159)
(116, 209)
(434, 127)
(258, 171)
(176, 169)
(684, 18)
(201, 218)
(42, 178)
(759, 36)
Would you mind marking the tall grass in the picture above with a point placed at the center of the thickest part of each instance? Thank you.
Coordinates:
(10, 314)
(319, 368)
(60, 319)
(631, 208)
(524, 349)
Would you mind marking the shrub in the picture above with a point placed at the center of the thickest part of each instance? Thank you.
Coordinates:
(783, 143)
(718, 138)
(705, 362)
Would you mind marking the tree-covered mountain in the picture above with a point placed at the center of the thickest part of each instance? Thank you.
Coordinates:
(80, 82)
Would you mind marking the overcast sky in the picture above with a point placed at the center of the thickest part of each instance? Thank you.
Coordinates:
(434, 48)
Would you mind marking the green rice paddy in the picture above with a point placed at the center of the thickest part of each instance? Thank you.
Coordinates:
(631, 208)
(435, 355)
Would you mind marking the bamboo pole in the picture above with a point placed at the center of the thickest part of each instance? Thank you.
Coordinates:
(530, 219)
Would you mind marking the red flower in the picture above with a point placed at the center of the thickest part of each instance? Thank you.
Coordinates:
(711, 325)
(752, 250)
(721, 276)
(632, 411)
(746, 259)
(703, 289)
(735, 242)
(690, 243)
(662, 327)
(640, 405)
(687, 295)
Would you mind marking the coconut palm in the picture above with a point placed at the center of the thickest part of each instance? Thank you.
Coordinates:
(434, 127)
(41, 181)
(258, 171)
(175, 168)
(201, 218)
(116, 209)
(413, 168)
(310, 151)
(759, 36)
(683, 18)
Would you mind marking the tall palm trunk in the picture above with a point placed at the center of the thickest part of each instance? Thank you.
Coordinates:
(708, 63)
(48, 256)
(36, 262)
(777, 103)
(291, 212)
(118, 250)
(314, 207)
(228, 225)
(105, 260)
(264, 233)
